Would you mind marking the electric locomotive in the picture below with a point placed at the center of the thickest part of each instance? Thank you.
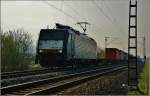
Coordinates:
(65, 46)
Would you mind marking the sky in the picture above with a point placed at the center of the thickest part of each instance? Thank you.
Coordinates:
(107, 18)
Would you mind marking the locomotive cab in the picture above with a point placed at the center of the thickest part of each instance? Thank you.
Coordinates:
(51, 47)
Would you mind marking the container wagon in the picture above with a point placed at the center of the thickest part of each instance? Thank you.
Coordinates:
(115, 56)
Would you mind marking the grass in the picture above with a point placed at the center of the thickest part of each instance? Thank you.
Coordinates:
(35, 66)
(143, 84)
(144, 80)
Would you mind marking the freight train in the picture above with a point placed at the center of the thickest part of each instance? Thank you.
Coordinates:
(65, 46)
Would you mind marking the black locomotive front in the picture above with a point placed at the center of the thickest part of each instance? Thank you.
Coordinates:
(51, 49)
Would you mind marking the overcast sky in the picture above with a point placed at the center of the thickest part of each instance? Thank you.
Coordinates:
(106, 17)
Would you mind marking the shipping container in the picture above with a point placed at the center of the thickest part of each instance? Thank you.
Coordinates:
(111, 53)
(116, 54)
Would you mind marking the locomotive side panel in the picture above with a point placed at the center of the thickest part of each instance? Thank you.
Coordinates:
(85, 48)
(70, 46)
(81, 47)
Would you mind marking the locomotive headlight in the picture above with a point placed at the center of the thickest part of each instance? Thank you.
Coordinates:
(41, 51)
(60, 51)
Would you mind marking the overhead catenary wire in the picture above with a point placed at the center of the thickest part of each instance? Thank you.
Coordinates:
(100, 9)
(113, 18)
(76, 13)
(65, 13)
(115, 41)
(115, 22)
(61, 7)
(60, 10)
(104, 14)
(82, 18)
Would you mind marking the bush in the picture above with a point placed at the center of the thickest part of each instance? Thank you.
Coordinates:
(100, 53)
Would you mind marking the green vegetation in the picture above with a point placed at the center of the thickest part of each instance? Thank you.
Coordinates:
(143, 82)
(35, 66)
(15, 48)
(100, 53)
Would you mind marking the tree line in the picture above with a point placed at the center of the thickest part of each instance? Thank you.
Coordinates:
(15, 46)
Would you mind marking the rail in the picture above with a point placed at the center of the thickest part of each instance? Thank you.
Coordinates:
(8, 75)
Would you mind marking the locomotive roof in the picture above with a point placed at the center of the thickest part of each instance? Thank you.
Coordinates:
(60, 26)
(65, 27)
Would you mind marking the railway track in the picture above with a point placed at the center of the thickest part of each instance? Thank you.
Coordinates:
(8, 75)
(47, 73)
(56, 84)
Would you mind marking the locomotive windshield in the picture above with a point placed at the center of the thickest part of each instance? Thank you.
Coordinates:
(52, 39)
(51, 44)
